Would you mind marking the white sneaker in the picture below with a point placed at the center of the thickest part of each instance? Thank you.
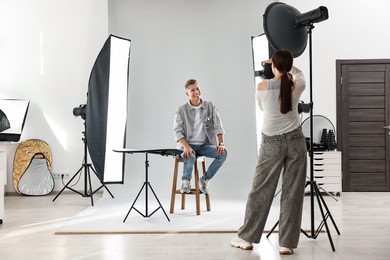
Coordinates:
(204, 185)
(185, 187)
(241, 243)
(285, 250)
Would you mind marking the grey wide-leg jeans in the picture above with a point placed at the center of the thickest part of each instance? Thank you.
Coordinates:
(287, 152)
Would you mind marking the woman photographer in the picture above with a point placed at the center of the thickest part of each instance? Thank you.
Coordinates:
(283, 149)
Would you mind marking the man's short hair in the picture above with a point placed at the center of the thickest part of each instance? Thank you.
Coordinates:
(190, 82)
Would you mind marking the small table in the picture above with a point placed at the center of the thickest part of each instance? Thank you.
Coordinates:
(146, 185)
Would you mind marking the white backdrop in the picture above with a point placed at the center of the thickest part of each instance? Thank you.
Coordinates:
(178, 40)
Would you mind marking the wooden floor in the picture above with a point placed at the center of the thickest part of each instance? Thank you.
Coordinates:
(30, 222)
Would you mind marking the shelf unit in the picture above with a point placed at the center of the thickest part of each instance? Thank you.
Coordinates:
(327, 171)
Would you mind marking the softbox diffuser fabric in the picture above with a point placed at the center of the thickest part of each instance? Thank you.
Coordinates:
(106, 109)
(279, 24)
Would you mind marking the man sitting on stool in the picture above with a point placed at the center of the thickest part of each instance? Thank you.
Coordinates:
(198, 132)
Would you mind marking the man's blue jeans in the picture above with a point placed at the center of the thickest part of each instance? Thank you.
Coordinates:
(208, 151)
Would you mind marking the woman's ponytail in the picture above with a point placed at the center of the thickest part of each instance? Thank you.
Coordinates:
(286, 85)
(283, 61)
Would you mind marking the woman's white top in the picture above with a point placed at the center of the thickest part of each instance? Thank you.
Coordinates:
(274, 122)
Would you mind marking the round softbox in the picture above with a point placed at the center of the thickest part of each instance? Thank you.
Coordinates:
(279, 22)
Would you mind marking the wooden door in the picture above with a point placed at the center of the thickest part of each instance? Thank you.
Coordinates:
(363, 112)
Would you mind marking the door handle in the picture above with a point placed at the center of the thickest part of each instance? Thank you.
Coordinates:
(388, 128)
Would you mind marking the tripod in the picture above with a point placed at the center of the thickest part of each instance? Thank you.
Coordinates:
(146, 184)
(314, 190)
(313, 185)
(87, 176)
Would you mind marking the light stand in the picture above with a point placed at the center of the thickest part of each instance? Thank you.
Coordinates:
(314, 190)
(87, 176)
(285, 27)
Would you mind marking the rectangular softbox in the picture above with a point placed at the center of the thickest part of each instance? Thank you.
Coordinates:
(106, 109)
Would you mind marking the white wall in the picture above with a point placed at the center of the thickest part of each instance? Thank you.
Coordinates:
(354, 30)
(47, 50)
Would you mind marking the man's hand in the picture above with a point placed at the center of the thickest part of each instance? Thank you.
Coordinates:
(188, 152)
(221, 149)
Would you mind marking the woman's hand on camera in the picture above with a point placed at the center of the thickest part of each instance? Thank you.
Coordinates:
(269, 61)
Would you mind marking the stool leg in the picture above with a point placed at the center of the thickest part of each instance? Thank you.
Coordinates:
(183, 201)
(197, 192)
(207, 195)
(174, 183)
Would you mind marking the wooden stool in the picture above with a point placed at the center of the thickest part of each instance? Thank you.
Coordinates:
(195, 191)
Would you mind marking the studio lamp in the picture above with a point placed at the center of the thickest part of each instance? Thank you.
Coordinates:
(286, 28)
(80, 111)
(106, 109)
(281, 29)
(105, 115)
(314, 16)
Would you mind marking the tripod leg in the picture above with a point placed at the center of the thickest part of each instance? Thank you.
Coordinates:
(318, 194)
(103, 185)
(109, 192)
(66, 185)
(305, 233)
(158, 201)
(333, 197)
(90, 184)
(322, 190)
(330, 215)
(272, 229)
(132, 206)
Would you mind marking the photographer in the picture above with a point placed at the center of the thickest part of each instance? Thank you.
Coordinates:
(282, 147)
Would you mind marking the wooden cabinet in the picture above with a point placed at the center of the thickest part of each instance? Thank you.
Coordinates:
(327, 171)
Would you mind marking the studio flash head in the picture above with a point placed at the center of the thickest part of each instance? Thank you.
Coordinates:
(79, 111)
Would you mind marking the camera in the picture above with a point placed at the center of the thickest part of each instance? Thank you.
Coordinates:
(79, 111)
(266, 73)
